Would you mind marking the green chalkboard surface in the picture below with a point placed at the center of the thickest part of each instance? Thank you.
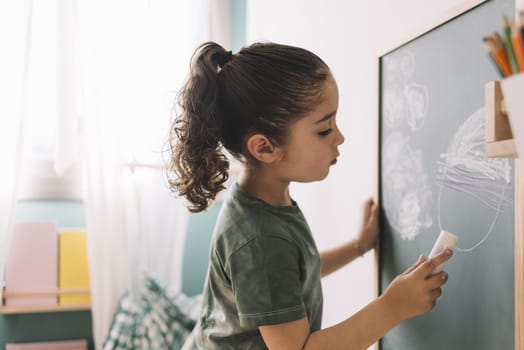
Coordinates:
(434, 175)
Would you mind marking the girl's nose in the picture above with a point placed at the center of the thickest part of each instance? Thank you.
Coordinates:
(340, 138)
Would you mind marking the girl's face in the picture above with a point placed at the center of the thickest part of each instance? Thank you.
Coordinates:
(312, 145)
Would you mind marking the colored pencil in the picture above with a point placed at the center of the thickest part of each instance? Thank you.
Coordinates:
(491, 57)
(518, 45)
(509, 46)
(497, 50)
(520, 25)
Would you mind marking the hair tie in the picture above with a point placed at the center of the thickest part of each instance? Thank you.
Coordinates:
(225, 58)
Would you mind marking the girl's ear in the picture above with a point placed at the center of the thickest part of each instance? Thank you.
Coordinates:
(261, 148)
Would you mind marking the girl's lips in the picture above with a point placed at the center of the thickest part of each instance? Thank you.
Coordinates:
(334, 161)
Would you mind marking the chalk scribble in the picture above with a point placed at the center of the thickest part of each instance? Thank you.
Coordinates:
(465, 168)
(408, 200)
(404, 99)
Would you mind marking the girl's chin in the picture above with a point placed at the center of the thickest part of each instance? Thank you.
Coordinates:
(314, 178)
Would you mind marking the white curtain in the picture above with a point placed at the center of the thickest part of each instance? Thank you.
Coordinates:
(112, 71)
(15, 40)
(134, 57)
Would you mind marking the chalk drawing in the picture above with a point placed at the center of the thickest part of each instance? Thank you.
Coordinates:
(399, 68)
(395, 109)
(408, 201)
(465, 168)
(417, 99)
(407, 65)
(404, 99)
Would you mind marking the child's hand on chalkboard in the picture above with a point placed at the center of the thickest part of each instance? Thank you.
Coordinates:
(416, 291)
(368, 233)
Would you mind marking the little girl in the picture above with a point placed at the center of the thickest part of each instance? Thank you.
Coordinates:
(274, 107)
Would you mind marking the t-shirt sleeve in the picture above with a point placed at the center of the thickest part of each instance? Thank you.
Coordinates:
(265, 277)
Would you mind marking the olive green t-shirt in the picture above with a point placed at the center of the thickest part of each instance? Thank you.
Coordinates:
(264, 269)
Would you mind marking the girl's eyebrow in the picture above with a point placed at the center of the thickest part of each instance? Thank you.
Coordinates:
(328, 116)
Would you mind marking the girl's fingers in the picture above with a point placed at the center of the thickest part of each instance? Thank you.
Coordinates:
(436, 281)
(435, 293)
(367, 210)
(428, 266)
(373, 211)
(420, 261)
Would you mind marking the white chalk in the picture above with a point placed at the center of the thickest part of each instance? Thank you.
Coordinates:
(444, 241)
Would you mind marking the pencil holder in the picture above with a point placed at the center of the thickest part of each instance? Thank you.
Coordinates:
(513, 92)
(497, 124)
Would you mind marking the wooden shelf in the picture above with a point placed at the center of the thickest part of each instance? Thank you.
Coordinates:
(500, 143)
(499, 136)
(43, 309)
(501, 149)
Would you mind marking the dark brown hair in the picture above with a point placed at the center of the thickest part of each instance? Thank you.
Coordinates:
(261, 89)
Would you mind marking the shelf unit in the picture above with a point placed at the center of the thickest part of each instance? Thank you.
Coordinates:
(500, 143)
(519, 207)
(499, 137)
(45, 308)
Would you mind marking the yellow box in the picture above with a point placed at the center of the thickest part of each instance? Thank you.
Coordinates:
(73, 271)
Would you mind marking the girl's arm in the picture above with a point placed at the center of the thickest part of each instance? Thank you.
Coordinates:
(338, 257)
(412, 293)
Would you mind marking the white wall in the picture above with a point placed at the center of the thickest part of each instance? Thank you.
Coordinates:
(347, 35)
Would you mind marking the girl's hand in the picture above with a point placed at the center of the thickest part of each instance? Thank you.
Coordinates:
(367, 237)
(415, 292)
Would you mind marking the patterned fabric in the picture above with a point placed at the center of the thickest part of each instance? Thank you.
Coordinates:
(154, 321)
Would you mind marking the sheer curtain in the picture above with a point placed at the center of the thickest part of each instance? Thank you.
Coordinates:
(134, 57)
(109, 72)
(15, 40)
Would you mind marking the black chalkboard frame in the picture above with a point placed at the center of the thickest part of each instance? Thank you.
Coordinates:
(450, 15)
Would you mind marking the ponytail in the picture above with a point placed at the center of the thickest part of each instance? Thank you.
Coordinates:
(197, 160)
(263, 88)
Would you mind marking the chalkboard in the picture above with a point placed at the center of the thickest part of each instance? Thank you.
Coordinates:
(433, 175)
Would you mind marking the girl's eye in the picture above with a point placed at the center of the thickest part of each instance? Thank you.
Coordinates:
(325, 132)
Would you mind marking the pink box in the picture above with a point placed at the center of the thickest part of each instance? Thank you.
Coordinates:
(54, 345)
(32, 263)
